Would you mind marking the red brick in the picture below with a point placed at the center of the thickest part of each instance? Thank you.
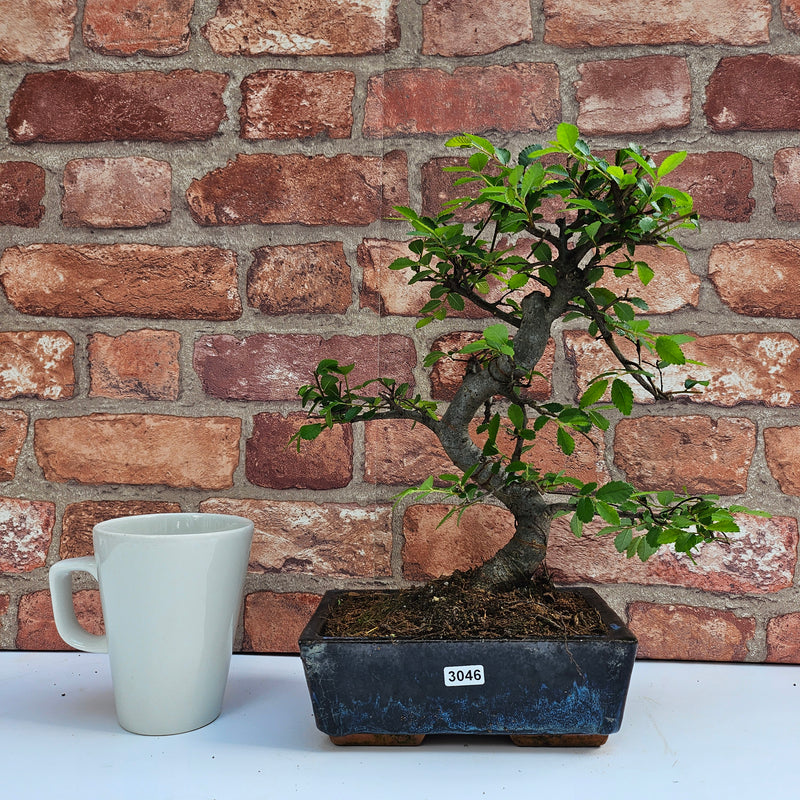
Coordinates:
(13, 430)
(674, 285)
(341, 540)
(36, 364)
(37, 628)
(761, 559)
(271, 461)
(790, 13)
(688, 633)
(786, 194)
(586, 23)
(398, 453)
(783, 639)
(271, 366)
(719, 183)
(139, 449)
(5, 602)
(520, 97)
(127, 192)
(699, 453)
(634, 95)
(474, 27)
(758, 277)
(273, 621)
(106, 280)
(782, 448)
(300, 279)
(311, 190)
(136, 365)
(754, 93)
(37, 30)
(310, 28)
(79, 519)
(21, 194)
(430, 550)
(447, 373)
(128, 27)
(742, 367)
(295, 104)
(26, 530)
(66, 106)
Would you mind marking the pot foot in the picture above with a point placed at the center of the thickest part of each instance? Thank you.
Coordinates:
(378, 739)
(560, 740)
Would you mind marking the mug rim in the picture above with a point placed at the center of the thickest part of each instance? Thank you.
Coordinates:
(225, 523)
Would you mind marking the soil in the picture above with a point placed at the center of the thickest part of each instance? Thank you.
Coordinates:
(454, 608)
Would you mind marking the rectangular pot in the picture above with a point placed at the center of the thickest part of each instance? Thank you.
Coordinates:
(573, 687)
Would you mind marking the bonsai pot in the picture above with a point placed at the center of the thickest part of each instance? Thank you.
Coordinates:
(540, 691)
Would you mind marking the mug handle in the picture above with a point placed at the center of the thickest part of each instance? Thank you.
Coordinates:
(69, 629)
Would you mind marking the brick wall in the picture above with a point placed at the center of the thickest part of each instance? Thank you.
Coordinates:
(193, 210)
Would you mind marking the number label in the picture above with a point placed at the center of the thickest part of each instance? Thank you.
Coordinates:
(466, 675)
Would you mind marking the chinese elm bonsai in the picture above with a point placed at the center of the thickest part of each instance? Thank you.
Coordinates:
(530, 266)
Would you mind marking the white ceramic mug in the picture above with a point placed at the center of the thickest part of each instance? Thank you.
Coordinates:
(170, 590)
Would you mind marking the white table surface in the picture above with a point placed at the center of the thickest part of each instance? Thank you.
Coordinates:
(690, 731)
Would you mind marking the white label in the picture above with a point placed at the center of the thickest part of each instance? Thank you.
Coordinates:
(467, 675)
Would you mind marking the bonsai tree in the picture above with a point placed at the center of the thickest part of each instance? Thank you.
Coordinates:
(529, 268)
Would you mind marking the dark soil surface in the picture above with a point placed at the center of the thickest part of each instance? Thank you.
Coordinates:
(454, 608)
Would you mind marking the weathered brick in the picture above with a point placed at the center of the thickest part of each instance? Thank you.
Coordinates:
(754, 93)
(310, 190)
(586, 23)
(474, 27)
(760, 559)
(5, 603)
(26, 530)
(128, 27)
(136, 365)
(331, 539)
(520, 97)
(688, 633)
(21, 193)
(673, 286)
(699, 453)
(634, 95)
(447, 373)
(786, 194)
(758, 277)
(127, 192)
(36, 364)
(300, 279)
(398, 453)
(431, 550)
(271, 366)
(790, 13)
(783, 638)
(273, 621)
(295, 104)
(272, 461)
(782, 446)
(13, 430)
(37, 628)
(741, 367)
(105, 280)
(143, 449)
(310, 28)
(65, 106)
(79, 519)
(37, 30)
(719, 183)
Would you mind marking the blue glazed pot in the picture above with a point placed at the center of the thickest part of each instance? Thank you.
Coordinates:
(539, 691)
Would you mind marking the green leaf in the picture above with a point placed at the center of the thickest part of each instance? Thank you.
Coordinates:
(310, 431)
(517, 416)
(584, 509)
(565, 442)
(669, 350)
(594, 393)
(567, 135)
(622, 396)
(477, 161)
(670, 163)
(645, 273)
(614, 492)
